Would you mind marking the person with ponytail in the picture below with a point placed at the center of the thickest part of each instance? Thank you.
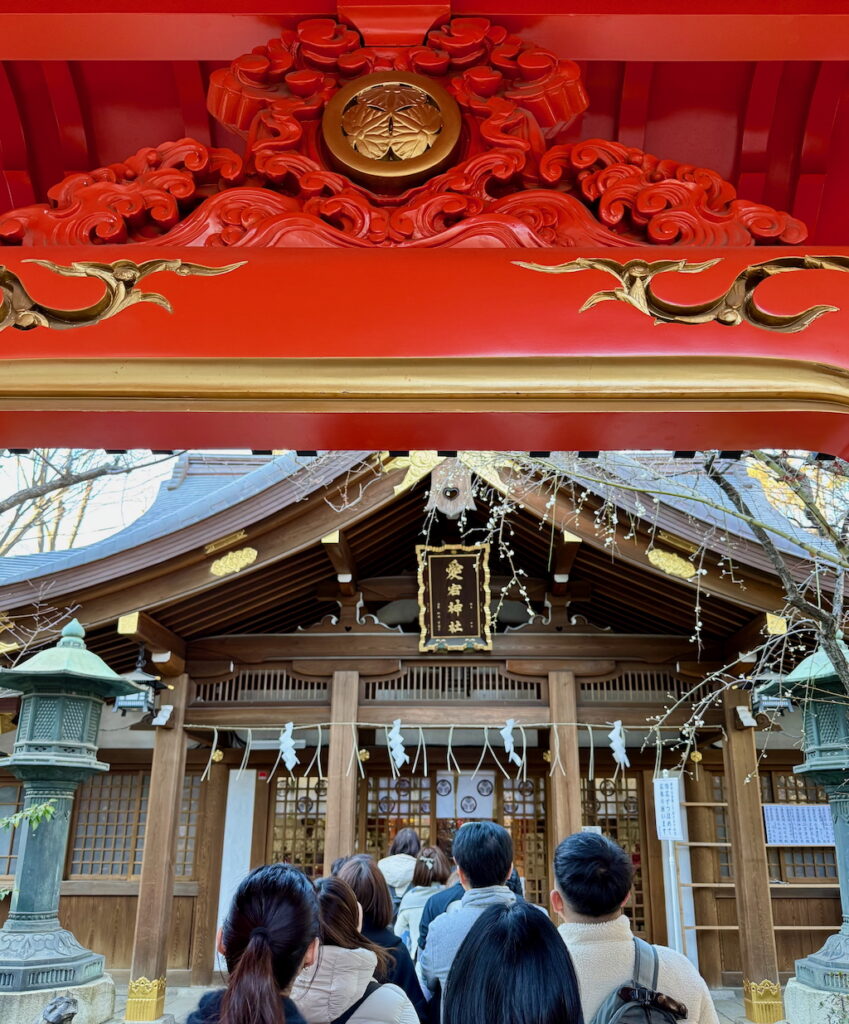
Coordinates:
(269, 936)
(343, 985)
(429, 876)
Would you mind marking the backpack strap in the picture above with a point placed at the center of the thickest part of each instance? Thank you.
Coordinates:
(371, 988)
(646, 964)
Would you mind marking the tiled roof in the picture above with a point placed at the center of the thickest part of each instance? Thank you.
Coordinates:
(200, 485)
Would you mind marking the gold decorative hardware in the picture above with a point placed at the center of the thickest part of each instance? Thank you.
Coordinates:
(736, 306)
(217, 756)
(671, 564)
(418, 464)
(677, 542)
(391, 128)
(762, 1001)
(363, 754)
(145, 999)
(776, 625)
(18, 309)
(546, 756)
(225, 542)
(233, 561)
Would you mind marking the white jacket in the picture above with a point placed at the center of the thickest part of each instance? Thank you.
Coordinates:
(337, 980)
(398, 871)
(410, 913)
(603, 955)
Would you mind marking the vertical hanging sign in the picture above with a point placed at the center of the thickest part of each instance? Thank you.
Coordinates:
(667, 809)
(454, 598)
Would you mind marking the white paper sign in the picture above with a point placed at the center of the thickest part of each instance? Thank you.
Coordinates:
(667, 809)
(798, 824)
(464, 797)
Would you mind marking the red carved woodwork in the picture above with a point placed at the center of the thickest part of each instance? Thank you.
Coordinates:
(515, 183)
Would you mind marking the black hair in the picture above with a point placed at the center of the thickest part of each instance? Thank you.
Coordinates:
(514, 884)
(512, 968)
(337, 864)
(484, 851)
(272, 922)
(406, 841)
(594, 874)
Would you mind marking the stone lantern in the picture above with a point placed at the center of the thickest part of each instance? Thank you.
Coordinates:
(819, 994)
(63, 689)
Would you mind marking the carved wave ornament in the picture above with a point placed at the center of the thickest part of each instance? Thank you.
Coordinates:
(458, 141)
(736, 306)
(19, 310)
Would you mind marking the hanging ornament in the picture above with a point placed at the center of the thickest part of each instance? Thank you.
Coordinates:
(287, 747)
(363, 755)
(396, 746)
(696, 758)
(617, 745)
(509, 745)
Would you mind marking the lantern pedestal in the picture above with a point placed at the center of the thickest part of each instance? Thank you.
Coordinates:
(96, 1001)
(806, 1005)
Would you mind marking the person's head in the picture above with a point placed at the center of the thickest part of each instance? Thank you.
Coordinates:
(431, 866)
(512, 968)
(483, 853)
(334, 867)
(593, 877)
(270, 933)
(406, 841)
(370, 888)
(514, 883)
(341, 919)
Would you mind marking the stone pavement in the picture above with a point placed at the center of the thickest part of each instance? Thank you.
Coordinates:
(181, 1001)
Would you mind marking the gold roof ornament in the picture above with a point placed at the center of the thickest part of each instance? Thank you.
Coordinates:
(391, 129)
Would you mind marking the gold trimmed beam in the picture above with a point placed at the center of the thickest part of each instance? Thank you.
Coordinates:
(638, 383)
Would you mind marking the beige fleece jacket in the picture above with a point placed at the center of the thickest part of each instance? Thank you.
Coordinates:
(603, 955)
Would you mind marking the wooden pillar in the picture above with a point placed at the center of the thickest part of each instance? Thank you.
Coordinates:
(340, 829)
(564, 790)
(210, 844)
(761, 988)
(146, 994)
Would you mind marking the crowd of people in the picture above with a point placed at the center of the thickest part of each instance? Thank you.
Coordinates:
(414, 938)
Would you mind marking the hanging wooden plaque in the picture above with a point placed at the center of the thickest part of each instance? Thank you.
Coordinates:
(454, 598)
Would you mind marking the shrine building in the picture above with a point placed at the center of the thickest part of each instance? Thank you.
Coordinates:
(267, 591)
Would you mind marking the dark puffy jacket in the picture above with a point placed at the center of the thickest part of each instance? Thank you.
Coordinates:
(210, 1005)
(402, 973)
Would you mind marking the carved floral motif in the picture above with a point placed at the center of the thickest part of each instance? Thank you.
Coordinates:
(513, 183)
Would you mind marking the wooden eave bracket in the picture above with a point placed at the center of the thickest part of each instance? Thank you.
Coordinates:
(167, 650)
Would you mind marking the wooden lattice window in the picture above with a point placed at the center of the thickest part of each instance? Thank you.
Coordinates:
(797, 863)
(187, 828)
(393, 804)
(11, 801)
(297, 828)
(615, 808)
(109, 826)
(390, 804)
(786, 863)
(523, 815)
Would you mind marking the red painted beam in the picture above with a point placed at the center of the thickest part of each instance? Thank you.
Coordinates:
(657, 30)
(394, 320)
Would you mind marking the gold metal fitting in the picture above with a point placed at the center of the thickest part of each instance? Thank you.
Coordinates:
(391, 129)
(762, 1001)
(145, 999)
